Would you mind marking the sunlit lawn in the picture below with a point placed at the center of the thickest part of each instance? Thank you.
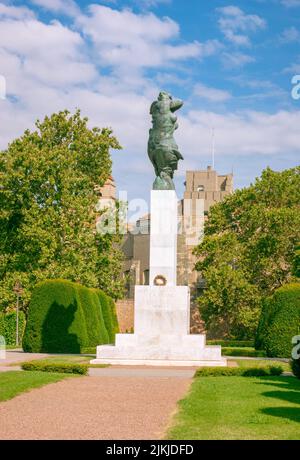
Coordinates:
(239, 408)
(16, 382)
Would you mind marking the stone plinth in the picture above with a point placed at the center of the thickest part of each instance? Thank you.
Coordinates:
(162, 317)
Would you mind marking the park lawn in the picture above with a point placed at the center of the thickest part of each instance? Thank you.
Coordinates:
(16, 382)
(239, 408)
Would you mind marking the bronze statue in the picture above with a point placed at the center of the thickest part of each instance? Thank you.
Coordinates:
(162, 148)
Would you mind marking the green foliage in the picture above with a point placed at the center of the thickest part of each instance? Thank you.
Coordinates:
(248, 251)
(109, 315)
(249, 352)
(238, 371)
(8, 323)
(295, 366)
(230, 305)
(280, 321)
(48, 208)
(63, 368)
(232, 343)
(65, 317)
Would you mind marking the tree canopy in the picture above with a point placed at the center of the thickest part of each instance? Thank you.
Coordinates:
(249, 250)
(47, 201)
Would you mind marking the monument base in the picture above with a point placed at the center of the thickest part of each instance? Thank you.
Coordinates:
(161, 338)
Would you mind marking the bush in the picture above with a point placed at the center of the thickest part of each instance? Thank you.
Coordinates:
(63, 368)
(295, 366)
(232, 343)
(8, 323)
(248, 352)
(239, 371)
(109, 314)
(279, 322)
(65, 317)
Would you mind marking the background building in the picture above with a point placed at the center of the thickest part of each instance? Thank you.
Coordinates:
(203, 189)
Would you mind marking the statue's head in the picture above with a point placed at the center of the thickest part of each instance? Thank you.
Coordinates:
(164, 95)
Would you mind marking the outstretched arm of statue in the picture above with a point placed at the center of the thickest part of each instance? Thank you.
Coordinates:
(176, 105)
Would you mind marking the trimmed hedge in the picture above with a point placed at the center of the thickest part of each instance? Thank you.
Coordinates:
(65, 317)
(232, 343)
(67, 368)
(248, 352)
(239, 371)
(279, 322)
(8, 323)
(109, 314)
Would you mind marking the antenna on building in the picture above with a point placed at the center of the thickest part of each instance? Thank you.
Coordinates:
(213, 148)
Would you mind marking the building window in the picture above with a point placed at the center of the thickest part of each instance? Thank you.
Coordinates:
(146, 278)
(200, 188)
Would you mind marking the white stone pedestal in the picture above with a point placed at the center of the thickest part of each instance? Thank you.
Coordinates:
(162, 313)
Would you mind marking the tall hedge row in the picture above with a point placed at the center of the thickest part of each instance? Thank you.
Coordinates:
(279, 322)
(65, 317)
(8, 324)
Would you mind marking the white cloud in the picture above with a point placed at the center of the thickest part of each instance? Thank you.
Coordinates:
(38, 53)
(126, 40)
(150, 3)
(236, 25)
(67, 7)
(290, 35)
(240, 133)
(12, 12)
(211, 94)
(234, 60)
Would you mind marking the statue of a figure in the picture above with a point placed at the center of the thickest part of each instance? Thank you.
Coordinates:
(162, 148)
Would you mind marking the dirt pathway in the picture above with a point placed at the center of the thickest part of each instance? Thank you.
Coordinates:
(96, 407)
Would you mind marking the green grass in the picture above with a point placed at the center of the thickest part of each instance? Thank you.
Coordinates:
(262, 363)
(226, 408)
(16, 382)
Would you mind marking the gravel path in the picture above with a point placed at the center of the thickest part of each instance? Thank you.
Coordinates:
(106, 407)
(17, 356)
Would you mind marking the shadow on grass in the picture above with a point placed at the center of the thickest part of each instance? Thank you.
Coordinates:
(289, 392)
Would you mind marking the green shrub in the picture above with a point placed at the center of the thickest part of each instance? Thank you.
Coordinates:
(65, 317)
(109, 314)
(279, 322)
(64, 368)
(232, 343)
(93, 310)
(8, 323)
(295, 366)
(248, 352)
(239, 371)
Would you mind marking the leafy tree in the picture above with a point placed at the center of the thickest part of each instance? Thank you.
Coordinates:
(250, 239)
(47, 202)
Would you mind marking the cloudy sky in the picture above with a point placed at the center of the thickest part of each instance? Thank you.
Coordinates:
(231, 61)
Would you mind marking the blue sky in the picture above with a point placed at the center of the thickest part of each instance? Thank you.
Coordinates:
(230, 61)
